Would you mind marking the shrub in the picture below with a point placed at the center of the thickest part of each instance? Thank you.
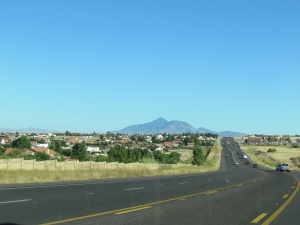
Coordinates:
(270, 150)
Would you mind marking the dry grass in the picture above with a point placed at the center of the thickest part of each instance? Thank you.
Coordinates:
(283, 154)
(214, 157)
(41, 176)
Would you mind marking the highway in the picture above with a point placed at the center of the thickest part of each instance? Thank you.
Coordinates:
(237, 194)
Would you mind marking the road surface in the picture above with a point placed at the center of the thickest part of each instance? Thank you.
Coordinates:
(237, 194)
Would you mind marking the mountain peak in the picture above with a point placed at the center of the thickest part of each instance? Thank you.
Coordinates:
(160, 120)
(160, 125)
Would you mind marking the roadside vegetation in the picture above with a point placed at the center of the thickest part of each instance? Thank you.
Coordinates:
(177, 154)
(270, 156)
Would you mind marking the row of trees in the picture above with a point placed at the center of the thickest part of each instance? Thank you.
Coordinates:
(116, 154)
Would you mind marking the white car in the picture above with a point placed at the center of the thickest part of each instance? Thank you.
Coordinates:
(236, 163)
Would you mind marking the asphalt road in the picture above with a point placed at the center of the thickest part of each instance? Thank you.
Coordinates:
(237, 194)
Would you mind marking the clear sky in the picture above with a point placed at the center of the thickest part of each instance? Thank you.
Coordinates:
(104, 65)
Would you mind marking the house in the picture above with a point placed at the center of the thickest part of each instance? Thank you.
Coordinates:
(9, 150)
(253, 140)
(48, 151)
(93, 150)
(41, 145)
(4, 140)
(171, 144)
(73, 139)
(159, 137)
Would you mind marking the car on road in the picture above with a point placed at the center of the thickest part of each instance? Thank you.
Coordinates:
(235, 163)
(247, 163)
(254, 165)
(283, 167)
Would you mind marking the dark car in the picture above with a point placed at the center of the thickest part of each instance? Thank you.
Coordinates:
(247, 163)
(254, 165)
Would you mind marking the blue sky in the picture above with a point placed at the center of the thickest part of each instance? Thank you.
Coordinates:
(104, 65)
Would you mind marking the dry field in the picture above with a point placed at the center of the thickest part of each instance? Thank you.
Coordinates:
(283, 154)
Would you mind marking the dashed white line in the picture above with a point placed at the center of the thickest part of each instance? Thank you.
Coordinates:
(16, 201)
(184, 183)
(132, 189)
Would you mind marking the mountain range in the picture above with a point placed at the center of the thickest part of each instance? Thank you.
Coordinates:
(26, 130)
(157, 126)
(161, 125)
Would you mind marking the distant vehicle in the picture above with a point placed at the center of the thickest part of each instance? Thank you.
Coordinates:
(226, 155)
(255, 165)
(283, 167)
(235, 163)
(245, 156)
(247, 163)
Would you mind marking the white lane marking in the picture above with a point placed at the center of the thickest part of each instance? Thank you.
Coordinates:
(24, 200)
(131, 189)
(184, 183)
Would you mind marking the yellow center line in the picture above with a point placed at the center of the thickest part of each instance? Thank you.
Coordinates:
(284, 205)
(259, 218)
(133, 210)
(210, 192)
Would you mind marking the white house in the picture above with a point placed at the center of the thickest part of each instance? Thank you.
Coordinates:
(38, 145)
(93, 150)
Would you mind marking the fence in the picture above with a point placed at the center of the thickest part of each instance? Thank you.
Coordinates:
(21, 164)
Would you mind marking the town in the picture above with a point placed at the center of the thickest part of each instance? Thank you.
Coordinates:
(163, 148)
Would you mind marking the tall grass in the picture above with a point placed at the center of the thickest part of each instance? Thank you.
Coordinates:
(41, 176)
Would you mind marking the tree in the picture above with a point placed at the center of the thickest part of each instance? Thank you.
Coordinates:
(21, 143)
(41, 141)
(174, 157)
(101, 137)
(38, 156)
(2, 150)
(56, 146)
(80, 151)
(198, 155)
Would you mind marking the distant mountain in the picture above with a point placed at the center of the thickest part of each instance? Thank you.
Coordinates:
(160, 125)
(26, 130)
(203, 130)
(231, 134)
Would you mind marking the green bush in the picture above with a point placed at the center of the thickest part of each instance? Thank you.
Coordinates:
(270, 150)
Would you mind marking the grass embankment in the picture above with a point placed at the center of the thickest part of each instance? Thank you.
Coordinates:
(282, 154)
(40, 176)
(214, 157)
